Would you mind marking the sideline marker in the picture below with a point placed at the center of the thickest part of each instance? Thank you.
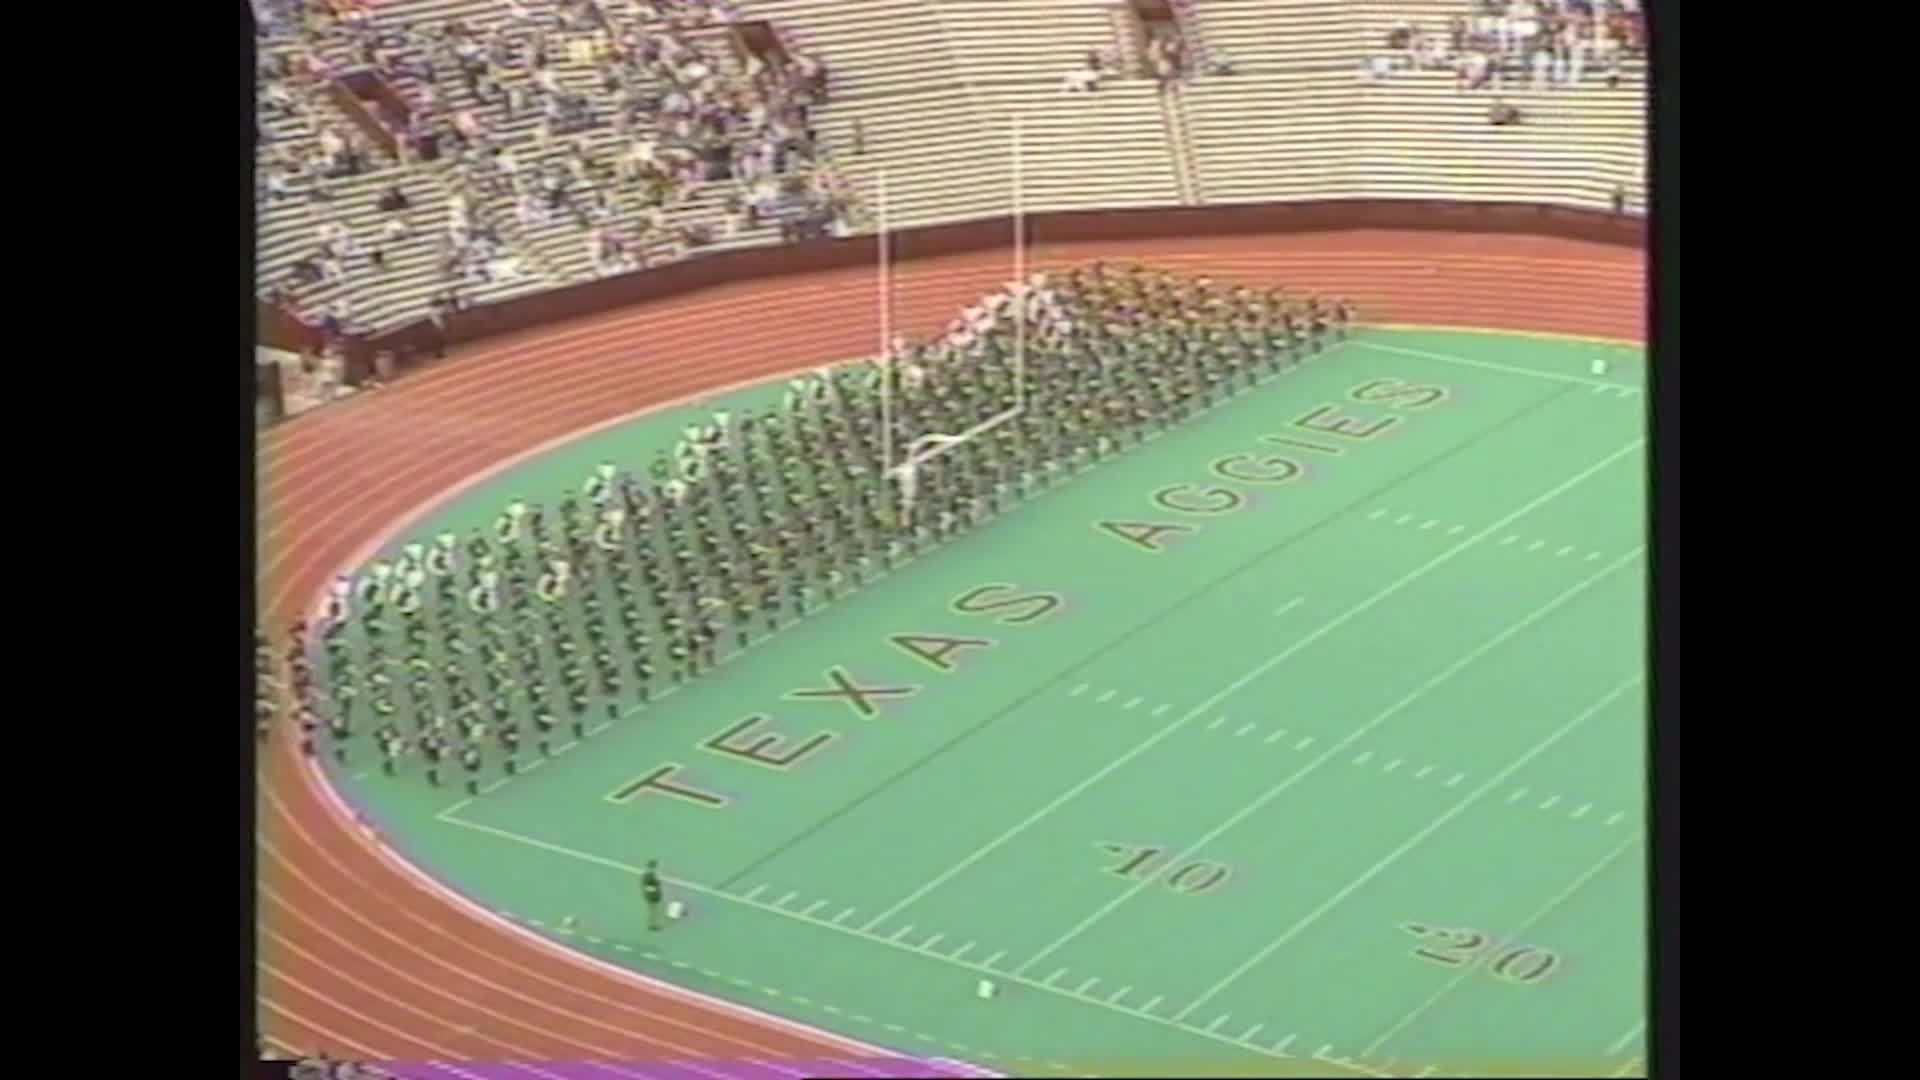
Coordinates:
(1599, 367)
(675, 909)
(985, 990)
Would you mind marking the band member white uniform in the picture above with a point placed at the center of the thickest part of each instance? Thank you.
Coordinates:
(339, 600)
(675, 490)
(606, 535)
(506, 527)
(552, 586)
(599, 487)
(375, 584)
(405, 594)
(440, 558)
(483, 597)
(410, 559)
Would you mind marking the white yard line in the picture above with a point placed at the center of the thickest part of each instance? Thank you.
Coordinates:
(1411, 842)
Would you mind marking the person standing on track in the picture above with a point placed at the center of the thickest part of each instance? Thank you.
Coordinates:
(651, 892)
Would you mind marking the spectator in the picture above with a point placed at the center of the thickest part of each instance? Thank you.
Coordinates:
(1502, 114)
(1619, 199)
(393, 200)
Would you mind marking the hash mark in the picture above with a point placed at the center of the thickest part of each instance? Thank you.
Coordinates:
(842, 917)
(1428, 524)
(1392, 765)
(1508, 539)
(1562, 553)
(1582, 812)
(1377, 515)
(1118, 994)
(1277, 736)
(1054, 976)
(1281, 1046)
(1244, 729)
(900, 933)
(1304, 743)
(1131, 702)
(1217, 721)
(1456, 778)
(1104, 698)
(1403, 519)
(1365, 756)
(1215, 1026)
(964, 950)
(783, 900)
(995, 957)
(1592, 556)
(1536, 545)
(1078, 690)
(815, 906)
(1148, 1007)
(1518, 794)
(1456, 529)
(1085, 985)
(930, 942)
(1159, 709)
(1422, 774)
(1616, 818)
(1248, 1037)
(1548, 805)
(757, 890)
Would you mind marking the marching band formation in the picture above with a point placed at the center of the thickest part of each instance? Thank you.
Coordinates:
(460, 651)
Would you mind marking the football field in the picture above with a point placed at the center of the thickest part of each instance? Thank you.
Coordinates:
(1306, 739)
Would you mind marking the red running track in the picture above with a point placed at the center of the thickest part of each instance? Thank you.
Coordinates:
(362, 956)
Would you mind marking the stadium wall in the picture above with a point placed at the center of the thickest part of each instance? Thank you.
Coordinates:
(414, 343)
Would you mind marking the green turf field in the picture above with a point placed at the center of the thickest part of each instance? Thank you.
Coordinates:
(1340, 775)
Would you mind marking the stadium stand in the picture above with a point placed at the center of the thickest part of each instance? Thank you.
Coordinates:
(1280, 100)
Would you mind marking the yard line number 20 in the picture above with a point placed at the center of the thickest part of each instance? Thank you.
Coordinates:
(1452, 946)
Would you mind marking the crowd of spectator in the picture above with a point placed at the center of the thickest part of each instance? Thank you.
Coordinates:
(1505, 43)
(629, 122)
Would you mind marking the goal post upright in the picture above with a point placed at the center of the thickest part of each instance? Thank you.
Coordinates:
(932, 445)
(886, 326)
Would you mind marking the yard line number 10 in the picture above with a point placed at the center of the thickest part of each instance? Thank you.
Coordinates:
(1142, 863)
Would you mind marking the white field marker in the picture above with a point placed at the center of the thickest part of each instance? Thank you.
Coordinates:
(1244, 729)
(1104, 697)
(1288, 606)
(1365, 756)
(1549, 804)
(1217, 721)
(1508, 539)
(1303, 743)
(1131, 702)
(1215, 1026)
(1277, 736)
(1158, 709)
(902, 932)
(1078, 690)
(1563, 552)
(842, 917)
(1085, 986)
(1377, 515)
(995, 958)
(1392, 765)
(1428, 524)
(928, 944)
(962, 951)
(1456, 529)
(1615, 819)
(782, 902)
(1536, 545)
(1422, 774)
(1518, 794)
(1582, 812)
(815, 906)
(1403, 519)
(757, 890)
(1456, 778)
(1118, 994)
